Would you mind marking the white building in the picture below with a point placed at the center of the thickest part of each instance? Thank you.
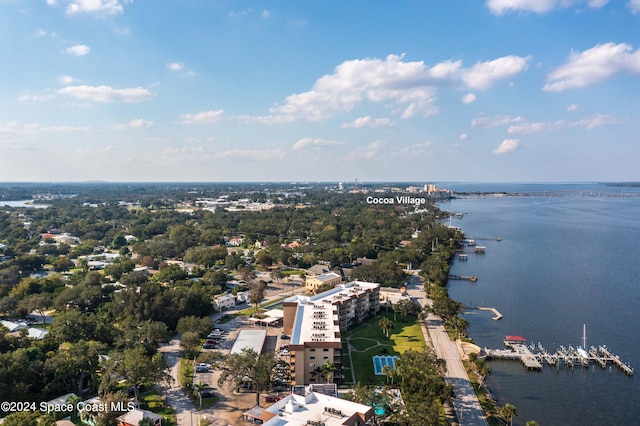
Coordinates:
(224, 302)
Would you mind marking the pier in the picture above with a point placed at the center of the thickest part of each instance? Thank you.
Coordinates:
(472, 278)
(534, 357)
(496, 315)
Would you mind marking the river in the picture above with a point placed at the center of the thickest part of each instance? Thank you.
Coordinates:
(563, 261)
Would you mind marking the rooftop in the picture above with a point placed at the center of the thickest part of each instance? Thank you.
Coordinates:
(315, 408)
(253, 339)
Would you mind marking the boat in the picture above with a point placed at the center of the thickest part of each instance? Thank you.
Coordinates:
(582, 350)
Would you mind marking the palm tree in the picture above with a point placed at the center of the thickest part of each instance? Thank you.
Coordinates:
(386, 325)
(328, 368)
(389, 372)
(197, 390)
(508, 412)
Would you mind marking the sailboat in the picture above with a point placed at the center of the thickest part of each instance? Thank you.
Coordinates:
(582, 350)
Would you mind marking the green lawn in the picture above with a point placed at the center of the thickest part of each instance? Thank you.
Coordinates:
(369, 340)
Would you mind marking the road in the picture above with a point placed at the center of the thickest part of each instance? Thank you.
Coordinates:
(465, 400)
(228, 410)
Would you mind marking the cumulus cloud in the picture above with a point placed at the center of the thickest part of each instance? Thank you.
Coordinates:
(35, 98)
(507, 145)
(463, 136)
(634, 6)
(110, 7)
(500, 7)
(408, 88)
(135, 123)
(469, 98)
(593, 66)
(495, 121)
(483, 75)
(79, 50)
(315, 142)
(573, 108)
(368, 121)
(204, 117)
(107, 93)
(175, 66)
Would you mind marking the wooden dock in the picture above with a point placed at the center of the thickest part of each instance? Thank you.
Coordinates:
(519, 352)
(534, 358)
(472, 278)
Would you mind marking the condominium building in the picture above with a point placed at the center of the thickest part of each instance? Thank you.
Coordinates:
(315, 324)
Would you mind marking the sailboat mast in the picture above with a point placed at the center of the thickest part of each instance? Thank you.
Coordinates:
(584, 336)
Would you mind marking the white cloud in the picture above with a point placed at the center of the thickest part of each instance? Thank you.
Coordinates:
(593, 66)
(463, 136)
(368, 121)
(591, 122)
(35, 98)
(65, 79)
(314, 142)
(110, 7)
(52, 2)
(175, 66)
(265, 14)
(79, 50)
(500, 7)
(365, 152)
(634, 6)
(495, 121)
(107, 93)
(409, 88)
(135, 123)
(203, 117)
(139, 122)
(598, 120)
(469, 98)
(573, 108)
(507, 145)
(483, 75)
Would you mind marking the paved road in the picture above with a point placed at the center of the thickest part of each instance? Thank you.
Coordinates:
(465, 401)
(174, 395)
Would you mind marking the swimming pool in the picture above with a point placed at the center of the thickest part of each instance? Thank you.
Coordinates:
(379, 361)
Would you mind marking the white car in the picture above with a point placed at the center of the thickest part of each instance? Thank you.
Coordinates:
(285, 352)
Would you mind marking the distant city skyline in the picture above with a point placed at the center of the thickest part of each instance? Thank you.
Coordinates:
(245, 91)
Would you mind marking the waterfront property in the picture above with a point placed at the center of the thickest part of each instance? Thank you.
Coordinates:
(315, 324)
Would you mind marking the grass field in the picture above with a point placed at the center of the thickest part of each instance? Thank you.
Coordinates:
(369, 340)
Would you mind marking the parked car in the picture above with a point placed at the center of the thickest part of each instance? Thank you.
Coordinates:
(211, 341)
(202, 368)
(272, 398)
(283, 347)
(207, 393)
(284, 337)
(285, 352)
(208, 346)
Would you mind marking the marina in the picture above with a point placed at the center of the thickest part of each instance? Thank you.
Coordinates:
(533, 357)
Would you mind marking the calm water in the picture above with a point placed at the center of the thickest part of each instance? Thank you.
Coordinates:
(562, 262)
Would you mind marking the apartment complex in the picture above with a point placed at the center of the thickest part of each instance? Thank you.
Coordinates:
(315, 324)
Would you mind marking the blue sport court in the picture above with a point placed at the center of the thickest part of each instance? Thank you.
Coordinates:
(380, 361)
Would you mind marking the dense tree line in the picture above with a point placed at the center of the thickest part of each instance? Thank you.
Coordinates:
(96, 320)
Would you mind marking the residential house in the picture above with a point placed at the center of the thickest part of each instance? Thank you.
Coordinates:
(328, 278)
(224, 302)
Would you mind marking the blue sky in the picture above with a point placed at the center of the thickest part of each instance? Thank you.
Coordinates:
(195, 90)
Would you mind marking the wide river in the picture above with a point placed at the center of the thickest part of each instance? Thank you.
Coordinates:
(565, 259)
